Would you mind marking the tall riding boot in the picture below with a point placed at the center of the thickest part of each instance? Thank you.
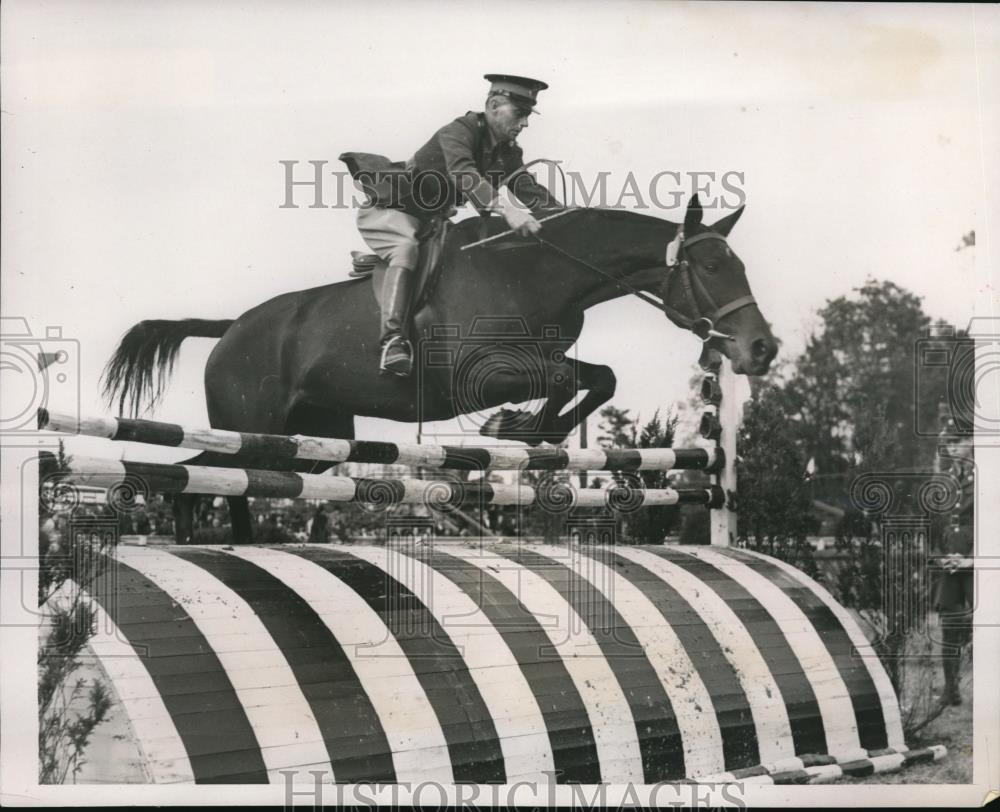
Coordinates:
(951, 663)
(397, 354)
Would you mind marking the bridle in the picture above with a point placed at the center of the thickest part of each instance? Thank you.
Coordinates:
(678, 268)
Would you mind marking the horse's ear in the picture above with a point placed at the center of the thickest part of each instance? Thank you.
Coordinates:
(725, 225)
(693, 216)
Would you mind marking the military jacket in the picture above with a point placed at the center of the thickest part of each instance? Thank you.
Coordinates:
(460, 163)
(465, 154)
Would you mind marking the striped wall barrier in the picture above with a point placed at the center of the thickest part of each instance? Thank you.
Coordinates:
(149, 477)
(461, 458)
(492, 664)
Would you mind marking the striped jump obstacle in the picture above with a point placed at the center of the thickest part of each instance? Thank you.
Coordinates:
(173, 478)
(486, 663)
(491, 663)
(275, 449)
(458, 458)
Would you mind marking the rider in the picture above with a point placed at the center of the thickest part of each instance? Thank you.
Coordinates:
(471, 159)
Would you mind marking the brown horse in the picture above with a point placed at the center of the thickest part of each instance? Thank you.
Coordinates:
(496, 329)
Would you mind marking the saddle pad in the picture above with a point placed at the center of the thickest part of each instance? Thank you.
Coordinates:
(362, 264)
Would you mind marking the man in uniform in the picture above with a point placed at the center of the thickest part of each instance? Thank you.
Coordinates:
(474, 159)
(954, 597)
(954, 602)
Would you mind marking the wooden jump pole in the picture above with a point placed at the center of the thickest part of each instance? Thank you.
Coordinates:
(461, 458)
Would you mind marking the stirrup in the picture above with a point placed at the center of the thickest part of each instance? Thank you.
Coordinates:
(397, 357)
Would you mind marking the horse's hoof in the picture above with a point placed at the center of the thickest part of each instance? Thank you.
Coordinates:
(508, 424)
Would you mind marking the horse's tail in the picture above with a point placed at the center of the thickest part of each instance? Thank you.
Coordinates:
(140, 367)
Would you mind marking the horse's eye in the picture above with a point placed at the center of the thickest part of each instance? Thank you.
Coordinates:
(711, 267)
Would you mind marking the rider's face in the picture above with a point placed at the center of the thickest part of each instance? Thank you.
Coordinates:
(506, 118)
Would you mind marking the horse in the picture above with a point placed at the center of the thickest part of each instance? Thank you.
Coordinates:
(495, 329)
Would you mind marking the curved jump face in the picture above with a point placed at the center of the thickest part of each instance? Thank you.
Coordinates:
(508, 663)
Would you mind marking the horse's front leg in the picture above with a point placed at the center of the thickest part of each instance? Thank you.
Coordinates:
(597, 380)
(562, 383)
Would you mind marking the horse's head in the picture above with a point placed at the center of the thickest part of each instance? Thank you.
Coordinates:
(706, 291)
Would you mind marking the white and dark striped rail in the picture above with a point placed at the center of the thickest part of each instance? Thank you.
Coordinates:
(458, 458)
(495, 664)
(149, 477)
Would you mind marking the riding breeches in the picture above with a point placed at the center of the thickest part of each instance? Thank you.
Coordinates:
(392, 234)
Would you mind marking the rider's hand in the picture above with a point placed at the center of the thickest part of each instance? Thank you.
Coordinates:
(517, 215)
(522, 221)
(952, 563)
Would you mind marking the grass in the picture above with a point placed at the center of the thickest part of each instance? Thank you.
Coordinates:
(953, 729)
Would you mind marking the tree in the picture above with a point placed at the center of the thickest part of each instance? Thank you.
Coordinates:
(650, 525)
(640, 525)
(882, 575)
(774, 506)
(864, 357)
(619, 430)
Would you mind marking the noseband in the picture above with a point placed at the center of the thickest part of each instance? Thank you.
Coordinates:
(679, 268)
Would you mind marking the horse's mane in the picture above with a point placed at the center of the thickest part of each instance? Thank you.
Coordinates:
(625, 215)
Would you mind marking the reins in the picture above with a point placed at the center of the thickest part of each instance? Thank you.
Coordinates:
(621, 283)
(678, 267)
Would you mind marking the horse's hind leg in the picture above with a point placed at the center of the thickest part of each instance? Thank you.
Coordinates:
(182, 508)
(240, 519)
(303, 419)
(239, 507)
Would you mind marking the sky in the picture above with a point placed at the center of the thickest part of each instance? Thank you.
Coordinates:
(142, 145)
